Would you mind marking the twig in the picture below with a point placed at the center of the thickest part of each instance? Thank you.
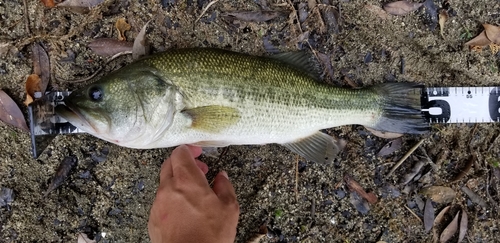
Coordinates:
(205, 9)
(98, 70)
(405, 157)
(494, 141)
(26, 17)
(414, 214)
(297, 178)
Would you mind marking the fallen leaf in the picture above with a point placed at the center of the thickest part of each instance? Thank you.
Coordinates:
(41, 66)
(109, 47)
(355, 186)
(32, 85)
(386, 135)
(80, 6)
(465, 170)
(253, 16)
(390, 147)
(401, 7)
(464, 221)
(414, 171)
(62, 173)
(49, 3)
(439, 194)
(430, 16)
(474, 197)
(83, 238)
(141, 46)
(359, 203)
(450, 230)
(443, 16)
(437, 221)
(377, 11)
(10, 112)
(428, 215)
(492, 33)
(332, 20)
(494, 48)
(480, 40)
(122, 26)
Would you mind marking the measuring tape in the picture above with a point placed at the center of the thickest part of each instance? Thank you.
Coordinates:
(461, 104)
(439, 105)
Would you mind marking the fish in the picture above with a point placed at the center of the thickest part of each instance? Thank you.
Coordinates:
(214, 98)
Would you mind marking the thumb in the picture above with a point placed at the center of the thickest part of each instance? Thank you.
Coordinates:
(223, 188)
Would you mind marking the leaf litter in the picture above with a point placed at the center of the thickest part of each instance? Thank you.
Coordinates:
(141, 46)
(253, 16)
(122, 26)
(109, 46)
(401, 8)
(428, 215)
(80, 6)
(62, 172)
(489, 36)
(450, 230)
(439, 194)
(10, 112)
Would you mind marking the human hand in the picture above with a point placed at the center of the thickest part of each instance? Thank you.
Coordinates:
(186, 209)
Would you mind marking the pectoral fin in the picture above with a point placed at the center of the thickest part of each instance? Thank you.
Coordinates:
(319, 147)
(212, 118)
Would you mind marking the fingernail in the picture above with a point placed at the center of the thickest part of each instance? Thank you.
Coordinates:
(223, 173)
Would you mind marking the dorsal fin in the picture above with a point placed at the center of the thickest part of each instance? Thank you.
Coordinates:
(301, 60)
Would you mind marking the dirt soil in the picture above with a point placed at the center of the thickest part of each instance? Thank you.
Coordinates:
(109, 193)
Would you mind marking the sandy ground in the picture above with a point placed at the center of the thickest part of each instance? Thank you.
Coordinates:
(109, 193)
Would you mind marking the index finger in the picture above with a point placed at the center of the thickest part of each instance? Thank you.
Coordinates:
(184, 167)
(166, 168)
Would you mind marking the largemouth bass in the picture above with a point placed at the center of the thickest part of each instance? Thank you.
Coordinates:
(212, 97)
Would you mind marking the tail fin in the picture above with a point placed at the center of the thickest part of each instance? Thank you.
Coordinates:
(401, 108)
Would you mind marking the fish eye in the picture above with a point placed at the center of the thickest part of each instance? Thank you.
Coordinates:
(96, 94)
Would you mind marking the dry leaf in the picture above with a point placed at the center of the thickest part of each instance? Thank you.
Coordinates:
(49, 3)
(122, 26)
(386, 135)
(494, 48)
(109, 47)
(355, 186)
(414, 171)
(401, 7)
(492, 33)
(390, 147)
(80, 6)
(41, 66)
(141, 46)
(32, 85)
(439, 194)
(377, 11)
(10, 112)
(62, 172)
(428, 215)
(83, 238)
(480, 40)
(443, 16)
(464, 221)
(450, 230)
(253, 16)
(437, 222)
(474, 197)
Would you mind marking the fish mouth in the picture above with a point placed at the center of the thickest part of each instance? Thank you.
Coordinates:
(75, 117)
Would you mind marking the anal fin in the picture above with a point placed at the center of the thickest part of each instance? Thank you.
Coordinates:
(212, 118)
(319, 147)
